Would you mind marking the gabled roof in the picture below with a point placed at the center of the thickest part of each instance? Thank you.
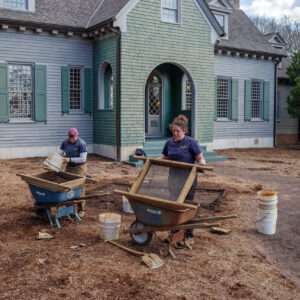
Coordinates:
(276, 39)
(281, 72)
(80, 14)
(69, 13)
(244, 36)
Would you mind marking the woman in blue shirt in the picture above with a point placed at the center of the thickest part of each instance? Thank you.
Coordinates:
(184, 149)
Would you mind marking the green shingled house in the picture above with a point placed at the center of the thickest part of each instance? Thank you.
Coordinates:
(121, 70)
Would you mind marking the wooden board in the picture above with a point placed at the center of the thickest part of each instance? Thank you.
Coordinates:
(156, 201)
(187, 186)
(172, 163)
(135, 187)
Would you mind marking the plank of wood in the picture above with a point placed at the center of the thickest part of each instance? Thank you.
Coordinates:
(44, 183)
(141, 177)
(167, 228)
(187, 186)
(213, 219)
(172, 163)
(156, 201)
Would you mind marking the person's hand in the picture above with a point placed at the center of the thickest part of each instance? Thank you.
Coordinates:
(202, 162)
(67, 159)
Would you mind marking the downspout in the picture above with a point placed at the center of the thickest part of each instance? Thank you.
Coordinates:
(275, 103)
(118, 94)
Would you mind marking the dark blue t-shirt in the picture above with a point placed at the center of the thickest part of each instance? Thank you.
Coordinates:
(73, 150)
(185, 150)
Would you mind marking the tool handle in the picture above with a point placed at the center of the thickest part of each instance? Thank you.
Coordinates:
(125, 248)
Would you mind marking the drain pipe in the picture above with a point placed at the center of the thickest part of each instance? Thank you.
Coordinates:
(118, 93)
(275, 102)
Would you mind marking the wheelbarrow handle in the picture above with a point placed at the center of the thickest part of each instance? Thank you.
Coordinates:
(92, 196)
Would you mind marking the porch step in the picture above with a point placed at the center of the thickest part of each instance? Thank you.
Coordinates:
(153, 149)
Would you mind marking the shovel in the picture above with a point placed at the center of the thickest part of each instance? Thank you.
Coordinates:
(151, 260)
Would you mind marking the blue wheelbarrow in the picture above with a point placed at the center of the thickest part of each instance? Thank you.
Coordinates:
(60, 190)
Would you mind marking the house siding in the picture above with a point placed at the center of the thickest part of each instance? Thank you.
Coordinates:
(148, 43)
(104, 120)
(52, 52)
(245, 69)
(286, 124)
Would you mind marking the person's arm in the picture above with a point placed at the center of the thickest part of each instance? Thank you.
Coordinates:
(77, 160)
(200, 159)
(61, 152)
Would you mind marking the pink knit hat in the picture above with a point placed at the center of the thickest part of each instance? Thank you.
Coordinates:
(73, 132)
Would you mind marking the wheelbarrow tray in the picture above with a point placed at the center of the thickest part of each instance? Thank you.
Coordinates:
(44, 195)
(160, 216)
(44, 189)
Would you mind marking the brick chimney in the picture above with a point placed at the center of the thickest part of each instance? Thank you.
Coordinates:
(235, 3)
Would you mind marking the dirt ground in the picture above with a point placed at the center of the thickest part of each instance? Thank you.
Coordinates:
(241, 265)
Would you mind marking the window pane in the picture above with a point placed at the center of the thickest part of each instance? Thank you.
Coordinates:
(108, 87)
(170, 4)
(222, 97)
(15, 3)
(75, 88)
(20, 91)
(188, 95)
(256, 96)
(170, 15)
(220, 19)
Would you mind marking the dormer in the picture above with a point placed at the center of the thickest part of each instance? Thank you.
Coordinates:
(276, 40)
(221, 10)
(23, 5)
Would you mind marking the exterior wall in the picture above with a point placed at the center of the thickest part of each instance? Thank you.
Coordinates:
(243, 133)
(53, 52)
(286, 126)
(104, 120)
(148, 43)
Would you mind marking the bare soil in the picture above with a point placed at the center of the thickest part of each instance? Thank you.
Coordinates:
(241, 265)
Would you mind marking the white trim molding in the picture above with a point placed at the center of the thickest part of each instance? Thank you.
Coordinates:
(106, 150)
(260, 142)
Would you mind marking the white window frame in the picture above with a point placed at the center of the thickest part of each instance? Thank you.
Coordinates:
(225, 18)
(229, 102)
(183, 93)
(101, 95)
(81, 109)
(261, 106)
(12, 119)
(178, 13)
(30, 6)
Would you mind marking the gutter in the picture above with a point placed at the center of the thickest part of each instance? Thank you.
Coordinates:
(118, 94)
(275, 103)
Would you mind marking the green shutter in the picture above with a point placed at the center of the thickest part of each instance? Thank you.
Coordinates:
(4, 112)
(40, 99)
(88, 90)
(234, 99)
(216, 100)
(248, 101)
(107, 77)
(266, 100)
(65, 89)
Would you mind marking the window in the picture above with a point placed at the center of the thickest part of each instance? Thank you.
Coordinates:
(187, 93)
(76, 88)
(170, 11)
(223, 97)
(256, 99)
(221, 20)
(16, 3)
(20, 91)
(106, 86)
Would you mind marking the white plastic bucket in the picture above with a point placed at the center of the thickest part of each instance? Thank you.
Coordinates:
(109, 226)
(126, 205)
(267, 212)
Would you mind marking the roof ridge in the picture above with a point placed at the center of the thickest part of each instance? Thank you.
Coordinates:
(92, 16)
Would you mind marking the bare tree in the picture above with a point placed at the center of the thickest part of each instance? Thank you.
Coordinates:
(288, 28)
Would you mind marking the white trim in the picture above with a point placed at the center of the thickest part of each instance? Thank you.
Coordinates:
(260, 142)
(38, 151)
(121, 17)
(106, 150)
(214, 34)
(129, 150)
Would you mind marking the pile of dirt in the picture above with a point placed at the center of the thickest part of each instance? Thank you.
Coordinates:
(231, 266)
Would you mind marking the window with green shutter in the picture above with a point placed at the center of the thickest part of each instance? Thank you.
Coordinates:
(4, 111)
(226, 98)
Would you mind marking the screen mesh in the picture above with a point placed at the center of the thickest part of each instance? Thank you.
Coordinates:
(164, 182)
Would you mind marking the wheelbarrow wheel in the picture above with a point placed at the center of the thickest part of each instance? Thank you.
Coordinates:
(143, 238)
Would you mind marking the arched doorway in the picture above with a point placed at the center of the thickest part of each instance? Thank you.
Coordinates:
(153, 109)
(169, 92)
